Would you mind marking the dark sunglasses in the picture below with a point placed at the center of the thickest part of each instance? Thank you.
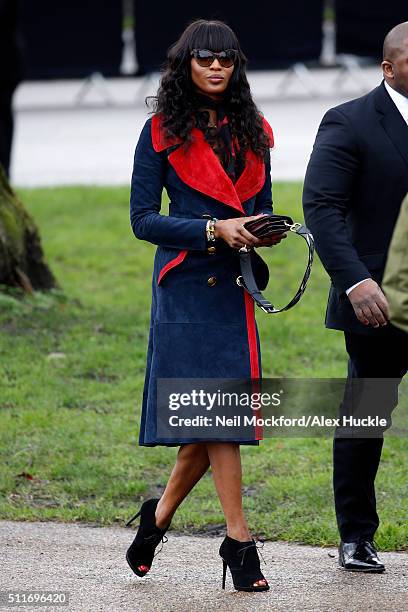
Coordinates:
(205, 58)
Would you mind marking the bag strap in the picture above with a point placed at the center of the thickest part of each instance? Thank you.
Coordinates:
(247, 279)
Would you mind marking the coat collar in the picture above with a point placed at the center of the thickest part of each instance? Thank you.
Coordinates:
(392, 121)
(199, 167)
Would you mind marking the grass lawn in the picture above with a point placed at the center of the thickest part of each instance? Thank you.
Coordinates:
(71, 376)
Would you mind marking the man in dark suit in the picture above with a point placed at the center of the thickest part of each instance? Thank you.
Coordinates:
(10, 74)
(355, 182)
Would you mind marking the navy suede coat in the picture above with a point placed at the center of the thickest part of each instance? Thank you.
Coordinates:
(202, 323)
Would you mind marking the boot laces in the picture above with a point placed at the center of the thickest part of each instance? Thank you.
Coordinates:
(243, 550)
(163, 539)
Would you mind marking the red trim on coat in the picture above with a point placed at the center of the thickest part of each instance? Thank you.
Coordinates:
(251, 329)
(269, 131)
(253, 353)
(199, 167)
(252, 179)
(160, 140)
(171, 264)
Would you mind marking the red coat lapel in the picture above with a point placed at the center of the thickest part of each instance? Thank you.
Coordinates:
(159, 139)
(252, 178)
(199, 167)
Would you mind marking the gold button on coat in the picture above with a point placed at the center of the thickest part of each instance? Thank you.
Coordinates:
(211, 281)
(211, 250)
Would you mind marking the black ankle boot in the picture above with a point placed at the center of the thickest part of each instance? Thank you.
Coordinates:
(243, 562)
(140, 553)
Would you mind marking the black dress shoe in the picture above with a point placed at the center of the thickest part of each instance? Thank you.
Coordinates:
(360, 556)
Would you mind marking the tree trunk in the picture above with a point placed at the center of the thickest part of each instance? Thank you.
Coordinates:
(21, 257)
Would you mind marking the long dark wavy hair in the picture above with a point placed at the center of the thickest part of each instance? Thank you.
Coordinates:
(175, 96)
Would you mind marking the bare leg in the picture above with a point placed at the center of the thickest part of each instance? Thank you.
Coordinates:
(225, 460)
(192, 463)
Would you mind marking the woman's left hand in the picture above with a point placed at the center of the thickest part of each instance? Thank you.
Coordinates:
(271, 240)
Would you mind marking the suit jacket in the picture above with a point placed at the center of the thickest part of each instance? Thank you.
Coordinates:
(395, 282)
(355, 182)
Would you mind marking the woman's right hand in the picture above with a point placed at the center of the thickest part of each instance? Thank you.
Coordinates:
(234, 232)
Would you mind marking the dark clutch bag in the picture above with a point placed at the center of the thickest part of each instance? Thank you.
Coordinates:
(269, 225)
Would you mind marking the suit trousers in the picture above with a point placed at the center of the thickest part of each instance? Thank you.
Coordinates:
(356, 460)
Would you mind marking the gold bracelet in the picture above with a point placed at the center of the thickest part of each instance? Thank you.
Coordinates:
(210, 229)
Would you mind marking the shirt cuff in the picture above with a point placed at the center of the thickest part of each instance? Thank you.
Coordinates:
(356, 285)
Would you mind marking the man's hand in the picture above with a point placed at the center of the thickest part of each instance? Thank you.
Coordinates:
(370, 304)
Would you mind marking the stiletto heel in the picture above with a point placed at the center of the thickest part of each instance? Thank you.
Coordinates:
(141, 552)
(224, 573)
(243, 562)
(130, 521)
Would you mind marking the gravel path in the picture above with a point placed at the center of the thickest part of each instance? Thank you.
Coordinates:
(89, 562)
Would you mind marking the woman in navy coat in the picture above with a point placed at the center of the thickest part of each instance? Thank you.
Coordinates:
(208, 146)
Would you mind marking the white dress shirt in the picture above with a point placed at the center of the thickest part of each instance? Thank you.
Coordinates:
(401, 102)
